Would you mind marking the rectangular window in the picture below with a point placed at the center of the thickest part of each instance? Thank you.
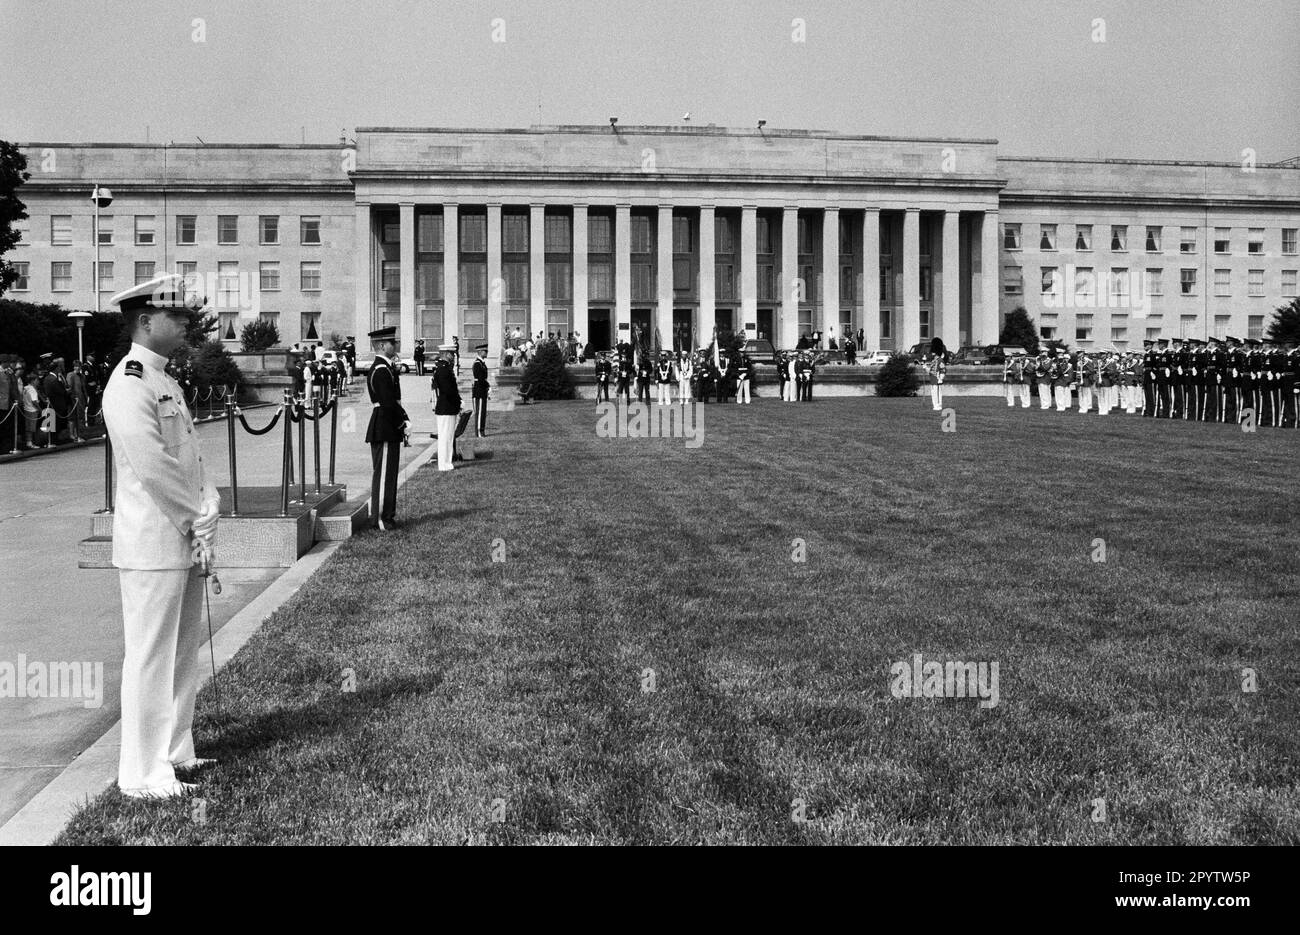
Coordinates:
(1155, 281)
(185, 228)
(61, 230)
(682, 234)
(1083, 328)
(309, 230)
(1223, 282)
(1255, 245)
(309, 275)
(1289, 241)
(1255, 327)
(1010, 236)
(558, 238)
(600, 282)
(144, 271)
(431, 324)
(557, 322)
(1187, 281)
(390, 276)
(269, 277)
(311, 326)
(722, 241)
(1119, 285)
(886, 324)
(1221, 325)
(1119, 238)
(724, 282)
(643, 282)
(227, 284)
(514, 233)
(106, 230)
(1085, 281)
(188, 270)
(268, 229)
(1083, 237)
(767, 282)
(228, 325)
(1187, 240)
(1153, 239)
(1048, 280)
(1187, 326)
(428, 282)
(144, 230)
(390, 232)
(473, 233)
(106, 275)
(642, 235)
(804, 235)
(926, 280)
(473, 282)
(1118, 333)
(515, 319)
(1047, 237)
(515, 277)
(763, 234)
(1048, 329)
(227, 228)
(473, 320)
(1013, 280)
(1288, 283)
(559, 280)
(886, 280)
(1153, 331)
(1255, 282)
(682, 274)
(428, 233)
(925, 324)
(600, 238)
(23, 281)
(1222, 240)
(846, 284)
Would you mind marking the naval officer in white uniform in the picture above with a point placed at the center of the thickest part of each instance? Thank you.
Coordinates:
(164, 524)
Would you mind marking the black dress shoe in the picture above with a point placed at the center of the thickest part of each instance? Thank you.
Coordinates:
(387, 525)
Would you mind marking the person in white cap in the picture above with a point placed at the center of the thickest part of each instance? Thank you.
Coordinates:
(164, 530)
(446, 405)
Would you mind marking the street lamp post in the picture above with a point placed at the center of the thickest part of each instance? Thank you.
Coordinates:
(102, 198)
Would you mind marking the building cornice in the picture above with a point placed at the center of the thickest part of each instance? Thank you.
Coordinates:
(1011, 198)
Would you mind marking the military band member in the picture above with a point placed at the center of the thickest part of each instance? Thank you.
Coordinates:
(664, 379)
(1009, 382)
(685, 371)
(742, 380)
(479, 391)
(386, 431)
(446, 404)
(165, 520)
(604, 370)
(1043, 379)
(1085, 375)
(1060, 380)
(1131, 382)
(622, 387)
(1025, 366)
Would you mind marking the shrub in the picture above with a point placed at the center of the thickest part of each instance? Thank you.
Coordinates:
(897, 378)
(213, 366)
(546, 375)
(259, 335)
(1019, 331)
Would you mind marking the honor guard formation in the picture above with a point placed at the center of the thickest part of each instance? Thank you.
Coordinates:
(708, 373)
(1226, 380)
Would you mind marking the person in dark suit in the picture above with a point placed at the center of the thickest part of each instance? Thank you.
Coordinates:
(446, 405)
(479, 391)
(387, 429)
(419, 358)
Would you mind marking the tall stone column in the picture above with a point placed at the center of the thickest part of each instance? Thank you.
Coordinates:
(949, 304)
(622, 271)
(496, 284)
(870, 280)
(537, 268)
(406, 257)
(989, 321)
(748, 267)
(830, 307)
(911, 279)
(362, 320)
(579, 240)
(708, 275)
(450, 270)
(664, 276)
(792, 288)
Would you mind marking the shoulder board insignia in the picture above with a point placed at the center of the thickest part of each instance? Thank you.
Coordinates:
(134, 369)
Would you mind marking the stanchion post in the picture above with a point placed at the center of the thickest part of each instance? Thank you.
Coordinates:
(334, 432)
(234, 470)
(108, 472)
(302, 452)
(285, 466)
(315, 438)
(13, 412)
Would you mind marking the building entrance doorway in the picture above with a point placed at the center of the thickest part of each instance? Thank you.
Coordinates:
(598, 332)
(766, 328)
(683, 329)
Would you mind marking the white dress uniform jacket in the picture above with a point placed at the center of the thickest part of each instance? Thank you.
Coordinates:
(161, 484)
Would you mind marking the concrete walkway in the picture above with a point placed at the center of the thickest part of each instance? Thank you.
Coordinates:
(53, 612)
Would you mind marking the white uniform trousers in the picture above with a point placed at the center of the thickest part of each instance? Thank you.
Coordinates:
(742, 391)
(446, 436)
(163, 623)
(1062, 398)
(1085, 398)
(665, 396)
(683, 390)
(1024, 395)
(936, 395)
(1044, 396)
(1103, 401)
(1012, 392)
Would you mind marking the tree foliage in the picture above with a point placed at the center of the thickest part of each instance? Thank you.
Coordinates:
(897, 377)
(546, 375)
(259, 335)
(1019, 331)
(13, 172)
(1285, 326)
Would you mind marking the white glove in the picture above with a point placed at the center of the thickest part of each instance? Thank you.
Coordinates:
(205, 526)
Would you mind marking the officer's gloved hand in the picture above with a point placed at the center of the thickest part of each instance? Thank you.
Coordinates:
(205, 526)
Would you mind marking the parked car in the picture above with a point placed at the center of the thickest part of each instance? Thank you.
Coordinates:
(998, 353)
(972, 355)
(760, 351)
(874, 358)
(404, 364)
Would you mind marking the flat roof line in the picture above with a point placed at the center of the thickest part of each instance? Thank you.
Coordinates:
(674, 129)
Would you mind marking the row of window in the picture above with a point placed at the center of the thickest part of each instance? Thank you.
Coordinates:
(309, 275)
(1187, 239)
(1085, 281)
(146, 231)
(1188, 327)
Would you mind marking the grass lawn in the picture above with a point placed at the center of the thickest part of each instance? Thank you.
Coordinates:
(506, 702)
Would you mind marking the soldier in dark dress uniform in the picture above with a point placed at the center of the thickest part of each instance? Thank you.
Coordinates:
(624, 374)
(386, 431)
(604, 370)
(643, 380)
(479, 392)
